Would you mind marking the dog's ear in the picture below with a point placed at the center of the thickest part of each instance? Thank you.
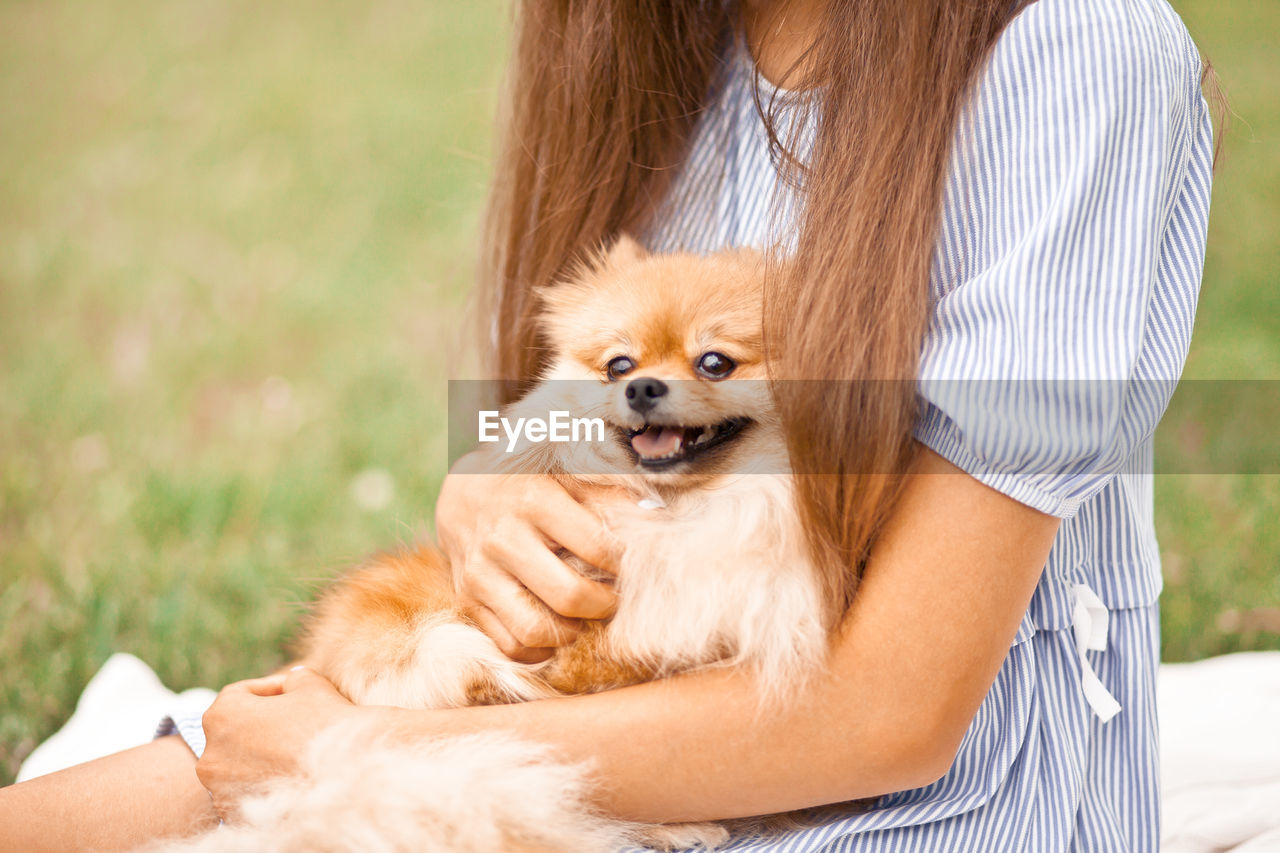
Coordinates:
(558, 302)
(585, 277)
(624, 251)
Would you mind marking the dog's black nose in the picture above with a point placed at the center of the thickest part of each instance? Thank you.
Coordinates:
(644, 393)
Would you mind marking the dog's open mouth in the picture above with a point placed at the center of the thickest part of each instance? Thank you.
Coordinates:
(663, 445)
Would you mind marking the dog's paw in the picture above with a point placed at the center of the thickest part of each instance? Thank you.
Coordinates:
(682, 836)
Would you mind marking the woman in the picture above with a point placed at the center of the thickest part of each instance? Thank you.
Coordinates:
(970, 192)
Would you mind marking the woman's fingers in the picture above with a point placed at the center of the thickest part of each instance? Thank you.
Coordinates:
(502, 535)
(303, 677)
(529, 622)
(270, 685)
(521, 552)
(488, 622)
(573, 527)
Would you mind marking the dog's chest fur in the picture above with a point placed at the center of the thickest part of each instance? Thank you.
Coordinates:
(391, 632)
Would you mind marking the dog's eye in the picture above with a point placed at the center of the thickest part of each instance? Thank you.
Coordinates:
(619, 367)
(713, 365)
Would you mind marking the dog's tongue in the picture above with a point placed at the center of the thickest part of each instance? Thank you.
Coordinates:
(656, 442)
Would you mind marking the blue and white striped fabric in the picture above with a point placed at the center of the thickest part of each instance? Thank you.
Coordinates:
(1063, 292)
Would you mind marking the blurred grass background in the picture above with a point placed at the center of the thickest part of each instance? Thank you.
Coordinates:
(235, 244)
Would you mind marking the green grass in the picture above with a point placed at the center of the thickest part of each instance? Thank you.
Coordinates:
(235, 242)
(235, 245)
(1219, 534)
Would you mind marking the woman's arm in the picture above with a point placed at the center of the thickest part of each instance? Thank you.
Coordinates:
(943, 594)
(118, 802)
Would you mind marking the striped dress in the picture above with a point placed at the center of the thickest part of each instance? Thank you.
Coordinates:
(1063, 292)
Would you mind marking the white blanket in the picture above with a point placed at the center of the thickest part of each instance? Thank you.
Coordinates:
(1220, 754)
(1219, 720)
(120, 708)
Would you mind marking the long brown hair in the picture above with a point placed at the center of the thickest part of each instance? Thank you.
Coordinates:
(603, 95)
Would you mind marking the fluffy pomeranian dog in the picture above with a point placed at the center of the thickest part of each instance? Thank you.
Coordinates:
(667, 351)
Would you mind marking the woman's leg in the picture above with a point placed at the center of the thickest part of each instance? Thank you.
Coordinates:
(114, 803)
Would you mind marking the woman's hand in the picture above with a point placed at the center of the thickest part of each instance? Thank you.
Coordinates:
(257, 730)
(501, 534)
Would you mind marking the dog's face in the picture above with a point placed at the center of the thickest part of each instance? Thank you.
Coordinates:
(668, 351)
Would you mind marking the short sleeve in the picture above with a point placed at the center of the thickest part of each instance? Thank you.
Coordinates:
(1064, 286)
